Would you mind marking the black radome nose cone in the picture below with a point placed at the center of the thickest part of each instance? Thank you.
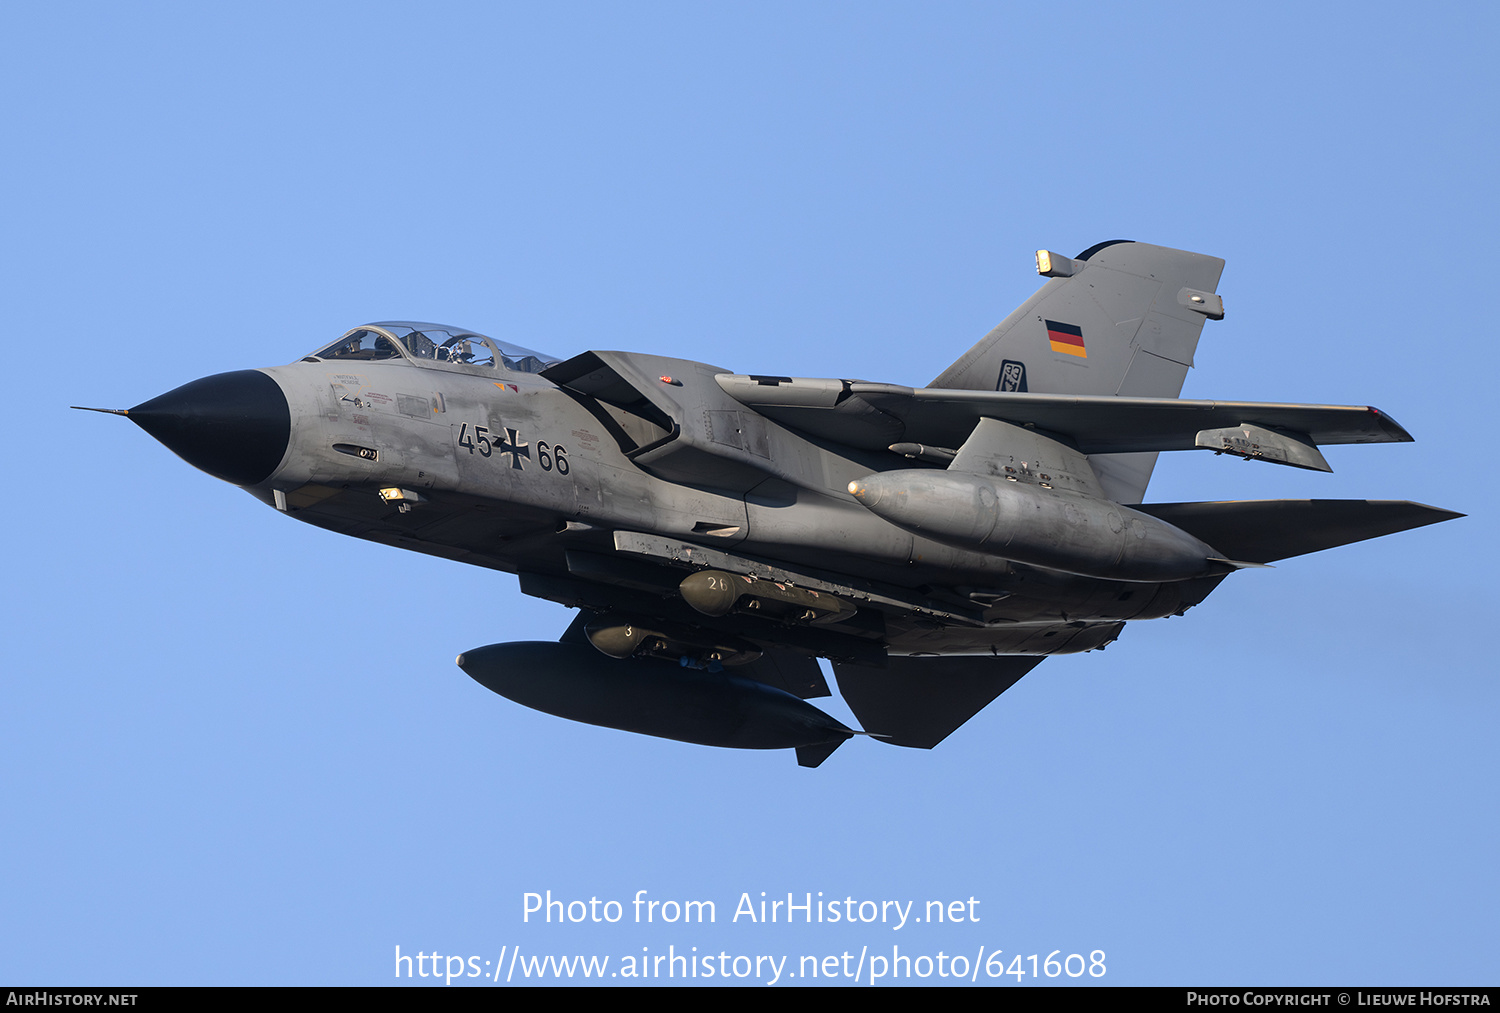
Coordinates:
(235, 426)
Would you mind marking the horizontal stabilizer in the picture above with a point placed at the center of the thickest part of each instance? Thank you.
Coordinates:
(919, 702)
(813, 756)
(1263, 531)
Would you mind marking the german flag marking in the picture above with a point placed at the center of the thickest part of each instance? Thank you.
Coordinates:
(1066, 338)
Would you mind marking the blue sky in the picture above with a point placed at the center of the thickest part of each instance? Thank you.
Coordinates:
(236, 749)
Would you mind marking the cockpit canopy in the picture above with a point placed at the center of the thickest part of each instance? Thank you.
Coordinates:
(412, 339)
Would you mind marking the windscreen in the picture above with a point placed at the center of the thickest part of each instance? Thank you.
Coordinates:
(393, 339)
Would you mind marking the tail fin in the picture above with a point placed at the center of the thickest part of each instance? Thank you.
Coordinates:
(1121, 318)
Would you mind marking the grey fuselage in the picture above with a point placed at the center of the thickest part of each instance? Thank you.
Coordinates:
(719, 532)
(512, 471)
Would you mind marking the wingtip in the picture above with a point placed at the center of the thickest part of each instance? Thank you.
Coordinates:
(1395, 430)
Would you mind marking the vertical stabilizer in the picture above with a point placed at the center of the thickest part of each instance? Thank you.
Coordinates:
(1121, 318)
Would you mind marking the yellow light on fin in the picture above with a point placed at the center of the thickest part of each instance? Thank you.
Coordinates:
(1052, 265)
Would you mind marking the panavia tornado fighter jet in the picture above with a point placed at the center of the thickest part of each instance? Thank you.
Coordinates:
(718, 532)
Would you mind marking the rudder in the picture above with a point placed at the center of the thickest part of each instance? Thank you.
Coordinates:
(1122, 318)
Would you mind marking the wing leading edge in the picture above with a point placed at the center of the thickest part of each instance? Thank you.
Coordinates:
(874, 415)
